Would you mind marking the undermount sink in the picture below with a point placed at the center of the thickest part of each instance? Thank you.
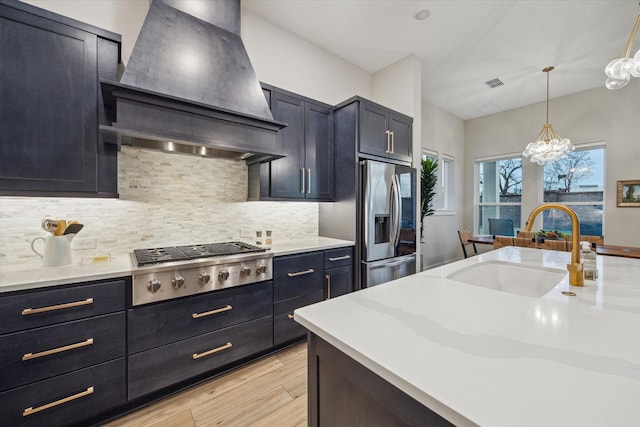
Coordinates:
(525, 280)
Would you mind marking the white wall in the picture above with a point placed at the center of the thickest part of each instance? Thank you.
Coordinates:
(444, 134)
(595, 115)
(285, 60)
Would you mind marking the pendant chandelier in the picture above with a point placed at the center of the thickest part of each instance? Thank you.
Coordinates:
(619, 71)
(548, 145)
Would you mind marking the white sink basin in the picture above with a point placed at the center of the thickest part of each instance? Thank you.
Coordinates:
(525, 280)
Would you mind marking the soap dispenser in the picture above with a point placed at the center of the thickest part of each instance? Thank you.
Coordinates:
(588, 258)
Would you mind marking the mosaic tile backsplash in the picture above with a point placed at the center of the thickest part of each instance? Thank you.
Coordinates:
(165, 200)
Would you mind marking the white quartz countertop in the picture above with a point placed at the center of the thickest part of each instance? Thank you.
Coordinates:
(478, 356)
(30, 276)
(309, 244)
(33, 275)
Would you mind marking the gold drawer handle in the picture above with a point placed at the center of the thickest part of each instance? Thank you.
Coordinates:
(301, 273)
(27, 311)
(209, 313)
(215, 350)
(30, 356)
(340, 258)
(30, 410)
(290, 316)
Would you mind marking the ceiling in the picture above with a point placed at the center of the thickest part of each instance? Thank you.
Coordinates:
(464, 43)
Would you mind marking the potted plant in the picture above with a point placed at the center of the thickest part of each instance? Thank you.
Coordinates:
(543, 235)
(428, 180)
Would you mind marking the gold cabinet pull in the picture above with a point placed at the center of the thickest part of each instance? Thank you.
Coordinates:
(328, 277)
(209, 313)
(31, 410)
(30, 356)
(340, 258)
(215, 350)
(301, 273)
(290, 316)
(28, 311)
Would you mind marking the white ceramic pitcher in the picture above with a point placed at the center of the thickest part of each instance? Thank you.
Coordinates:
(57, 250)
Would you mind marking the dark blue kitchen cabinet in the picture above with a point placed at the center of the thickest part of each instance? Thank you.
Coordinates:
(306, 172)
(50, 104)
(303, 279)
(199, 334)
(338, 271)
(62, 353)
(298, 280)
(383, 132)
(165, 366)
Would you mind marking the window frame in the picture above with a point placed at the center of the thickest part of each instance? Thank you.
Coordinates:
(581, 147)
(444, 203)
(476, 189)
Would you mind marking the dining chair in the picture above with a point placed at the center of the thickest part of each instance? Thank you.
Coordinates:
(464, 237)
(501, 227)
(554, 245)
(501, 241)
(526, 234)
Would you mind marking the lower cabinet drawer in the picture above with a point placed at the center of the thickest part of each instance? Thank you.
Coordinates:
(46, 307)
(66, 399)
(40, 353)
(167, 365)
(295, 275)
(284, 327)
(338, 257)
(158, 324)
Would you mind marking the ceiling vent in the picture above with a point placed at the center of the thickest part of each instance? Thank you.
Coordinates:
(494, 83)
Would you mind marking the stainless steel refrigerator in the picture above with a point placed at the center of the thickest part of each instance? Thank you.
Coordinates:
(388, 220)
(376, 208)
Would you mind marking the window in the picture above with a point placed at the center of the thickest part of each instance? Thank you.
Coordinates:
(446, 183)
(576, 180)
(498, 191)
(444, 199)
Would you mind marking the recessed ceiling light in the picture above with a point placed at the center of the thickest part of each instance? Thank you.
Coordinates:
(421, 14)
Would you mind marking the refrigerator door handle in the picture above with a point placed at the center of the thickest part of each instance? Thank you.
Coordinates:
(397, 207)
(392, 208)
(399, 261)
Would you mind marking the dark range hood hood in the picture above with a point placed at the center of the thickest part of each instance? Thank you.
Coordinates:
(189, 87)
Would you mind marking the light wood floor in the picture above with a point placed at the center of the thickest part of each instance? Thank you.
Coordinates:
(269, 392)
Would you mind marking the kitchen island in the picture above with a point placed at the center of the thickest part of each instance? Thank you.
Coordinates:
(430, 349)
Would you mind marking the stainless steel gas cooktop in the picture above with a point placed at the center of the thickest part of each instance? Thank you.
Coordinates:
(176, 271)
(190, 252)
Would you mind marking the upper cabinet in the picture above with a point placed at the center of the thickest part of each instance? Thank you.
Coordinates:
(51, 104)
(384, 132)
(306, 172)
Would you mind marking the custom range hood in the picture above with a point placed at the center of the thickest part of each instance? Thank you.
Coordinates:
(189, 87)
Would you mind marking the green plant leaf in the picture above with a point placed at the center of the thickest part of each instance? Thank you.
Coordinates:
(428, 181)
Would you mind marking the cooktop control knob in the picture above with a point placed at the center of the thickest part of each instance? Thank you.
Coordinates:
(204, 278)
(223, 275)
(177, 281)
(245, 271)
(154, 285)
(261, 269)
